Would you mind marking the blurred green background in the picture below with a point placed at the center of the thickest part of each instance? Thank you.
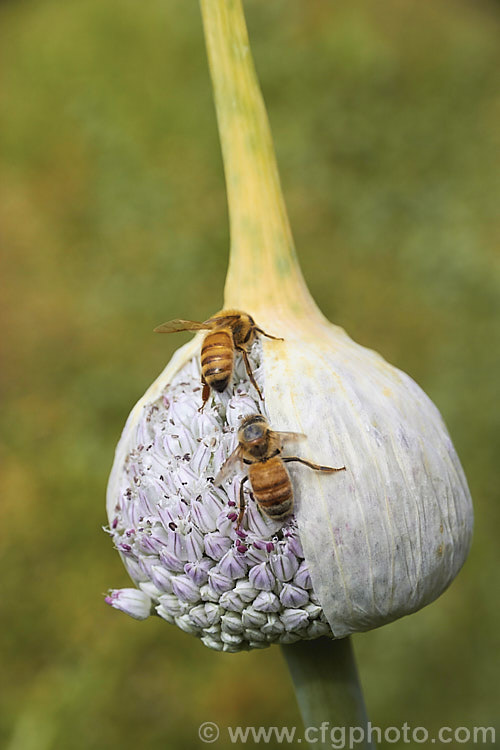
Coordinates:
(113, 219)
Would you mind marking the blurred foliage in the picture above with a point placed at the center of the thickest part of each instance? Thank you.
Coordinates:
(113, 219)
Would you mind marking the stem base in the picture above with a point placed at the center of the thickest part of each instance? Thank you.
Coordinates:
(328, 690)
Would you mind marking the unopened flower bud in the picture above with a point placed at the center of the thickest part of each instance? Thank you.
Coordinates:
(133, 602)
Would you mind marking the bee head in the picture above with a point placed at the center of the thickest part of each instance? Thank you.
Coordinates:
(253, 429)
(243, 327)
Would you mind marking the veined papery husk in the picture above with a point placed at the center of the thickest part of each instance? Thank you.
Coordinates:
(388, 535)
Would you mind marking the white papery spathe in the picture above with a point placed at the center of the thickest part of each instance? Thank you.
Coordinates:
(388, 535)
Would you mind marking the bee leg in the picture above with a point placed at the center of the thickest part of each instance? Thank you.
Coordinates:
(242, 503)
(317, 467)
(204, 394)
(249, 370)
(268, 335)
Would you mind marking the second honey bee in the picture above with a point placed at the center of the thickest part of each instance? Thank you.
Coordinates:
(229, 331)
(260, 449)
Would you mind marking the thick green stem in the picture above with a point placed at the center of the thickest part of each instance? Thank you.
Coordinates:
(263, 267)
(328, 691)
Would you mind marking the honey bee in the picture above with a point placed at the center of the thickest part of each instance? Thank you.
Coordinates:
(260, 448)
(230, 331)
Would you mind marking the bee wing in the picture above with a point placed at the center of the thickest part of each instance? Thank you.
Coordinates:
(228, 466)
(173, 326)
(289, 437)
(220, 321)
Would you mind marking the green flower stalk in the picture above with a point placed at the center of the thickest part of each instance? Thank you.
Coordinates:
(365, 546)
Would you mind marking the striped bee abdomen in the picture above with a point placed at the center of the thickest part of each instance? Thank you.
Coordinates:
(217, 359)
(271, 487)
